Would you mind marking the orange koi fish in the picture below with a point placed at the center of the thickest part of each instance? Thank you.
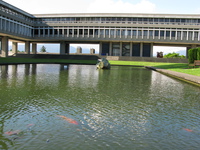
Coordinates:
(69, 120)
(13, 132)
(189, 130)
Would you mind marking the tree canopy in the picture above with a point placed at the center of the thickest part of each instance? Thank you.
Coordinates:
(43, 49)
(173, 55)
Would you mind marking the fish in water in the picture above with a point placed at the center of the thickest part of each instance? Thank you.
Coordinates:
(68, 119)
(189, 130)
(13, 132)
(29, 125)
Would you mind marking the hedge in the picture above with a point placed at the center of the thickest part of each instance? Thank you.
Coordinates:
(194, 54)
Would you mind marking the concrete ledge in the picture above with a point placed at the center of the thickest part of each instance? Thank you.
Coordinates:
(183, 76)
(58, 56)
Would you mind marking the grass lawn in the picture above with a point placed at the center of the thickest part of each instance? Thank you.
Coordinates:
(179, 67)
(170, 66)
(32, 60)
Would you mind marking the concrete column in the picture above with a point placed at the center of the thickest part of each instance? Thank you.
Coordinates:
(4, 45)
(110, 49)
(34, 48)
(187, 51)
(27, 47)
(141, 49)
(131, 47)
(151, 50)
(120, 50)
(64, 47)
(14, 47)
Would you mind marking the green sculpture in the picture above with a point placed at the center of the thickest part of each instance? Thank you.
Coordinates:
(103, 64)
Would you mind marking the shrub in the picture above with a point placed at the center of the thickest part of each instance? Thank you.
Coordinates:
(193, 54)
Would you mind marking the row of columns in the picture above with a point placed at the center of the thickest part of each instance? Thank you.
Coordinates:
(64, 47)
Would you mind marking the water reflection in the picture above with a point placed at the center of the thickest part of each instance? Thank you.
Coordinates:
(121, 108)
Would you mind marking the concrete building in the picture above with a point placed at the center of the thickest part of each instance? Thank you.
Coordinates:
(117, 34)
(79, 50)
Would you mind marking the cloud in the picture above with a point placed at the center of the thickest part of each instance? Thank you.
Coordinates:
(86, 6)
(119, 6)
(167, 49)
(45, 7)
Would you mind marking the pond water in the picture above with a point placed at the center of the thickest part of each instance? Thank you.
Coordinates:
(48, 107)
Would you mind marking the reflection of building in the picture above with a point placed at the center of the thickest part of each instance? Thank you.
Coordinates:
(83, 76)
(117, 34)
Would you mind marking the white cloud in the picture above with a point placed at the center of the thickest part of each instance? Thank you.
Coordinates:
(167, 49)
(86, 6)
(58, 6)
(119, 6)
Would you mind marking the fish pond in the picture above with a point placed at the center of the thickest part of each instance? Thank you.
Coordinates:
(48, 107)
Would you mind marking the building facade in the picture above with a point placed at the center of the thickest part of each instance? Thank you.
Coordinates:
(118, 34)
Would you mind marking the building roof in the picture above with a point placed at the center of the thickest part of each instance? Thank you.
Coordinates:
(147, 15)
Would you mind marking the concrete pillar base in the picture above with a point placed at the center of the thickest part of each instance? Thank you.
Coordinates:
(27, 47)
(141, 49)
(14, 48)
(34, 48)
(4, 52)
(64, 47)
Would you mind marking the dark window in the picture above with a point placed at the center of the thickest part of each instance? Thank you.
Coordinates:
(36, 31)
(60, 31)
(55, 31)
(46, 31)
(155, 19)
(162, 33)
(41, 31)
(156, 33)
(167, 33)
(183, 20)
(171, 20)
(75, 31)
(91, 31)
(173, 33)
(80, 31)
(50, 31)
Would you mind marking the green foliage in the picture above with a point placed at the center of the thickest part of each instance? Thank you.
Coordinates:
(43, 49)
(174, 55)
(194, 54)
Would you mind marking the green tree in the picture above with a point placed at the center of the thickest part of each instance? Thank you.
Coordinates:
(43, 49)
(194, 54)
(173, 55)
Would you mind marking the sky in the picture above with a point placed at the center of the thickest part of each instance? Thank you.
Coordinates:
(108, 6)
(111, 6)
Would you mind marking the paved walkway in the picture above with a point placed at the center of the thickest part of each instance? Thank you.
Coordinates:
(191, 78)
